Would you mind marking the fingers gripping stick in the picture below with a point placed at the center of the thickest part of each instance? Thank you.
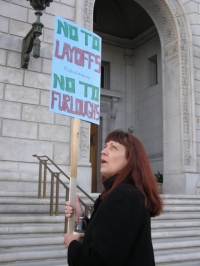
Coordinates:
(72, 194)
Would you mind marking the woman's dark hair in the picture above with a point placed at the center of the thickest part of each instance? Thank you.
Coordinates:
(137, 170)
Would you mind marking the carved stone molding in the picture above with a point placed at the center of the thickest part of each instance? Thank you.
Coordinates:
(109, 102)
(170, 23)
(171, 50)
(156, 157)
(84, 145)
(88, 14)
(163, 19)
(150, 33)
(185, 80)
(165, 22)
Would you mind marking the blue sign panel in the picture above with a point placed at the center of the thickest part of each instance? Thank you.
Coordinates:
(76, 69)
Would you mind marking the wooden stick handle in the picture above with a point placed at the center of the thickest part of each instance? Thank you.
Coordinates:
(73, 169)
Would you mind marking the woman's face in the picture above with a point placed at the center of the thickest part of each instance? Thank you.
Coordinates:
(113, 158)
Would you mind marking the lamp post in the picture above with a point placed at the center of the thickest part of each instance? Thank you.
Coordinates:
(31, 40)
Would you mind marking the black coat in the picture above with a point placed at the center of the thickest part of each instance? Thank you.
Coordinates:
(118, 234)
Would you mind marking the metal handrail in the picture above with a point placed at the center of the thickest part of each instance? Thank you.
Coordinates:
(43, 160)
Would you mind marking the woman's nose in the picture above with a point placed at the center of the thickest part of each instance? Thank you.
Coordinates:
(104, 151)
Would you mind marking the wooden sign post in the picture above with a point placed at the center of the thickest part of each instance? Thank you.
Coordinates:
(73, 169)
(75, 84)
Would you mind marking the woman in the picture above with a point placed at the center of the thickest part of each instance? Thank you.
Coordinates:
(119, 231)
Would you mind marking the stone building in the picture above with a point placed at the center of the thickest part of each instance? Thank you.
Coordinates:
(150, 86)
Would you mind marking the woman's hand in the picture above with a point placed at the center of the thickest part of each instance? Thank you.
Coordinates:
(69, 237)
(70, 209)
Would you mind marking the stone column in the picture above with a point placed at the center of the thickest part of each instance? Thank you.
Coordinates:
(84, 166)
(129, 92)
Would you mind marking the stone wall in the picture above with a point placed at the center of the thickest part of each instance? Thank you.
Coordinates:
(148, 104)
(27, 127)
(192, 9)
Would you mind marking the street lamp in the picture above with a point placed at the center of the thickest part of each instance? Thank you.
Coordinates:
(31, 40)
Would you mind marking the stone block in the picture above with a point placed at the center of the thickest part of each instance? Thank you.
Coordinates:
(4, 23)
(13, 11)
(10, 42)
(197, 85)
(14, 59)
(172, 69)
(84, 178)
(21, 3)
(37, 80)
(196, 40)
(46, 19)
(198, 128)
(194, 18)
(191, 7)
(196, 50)
(46, 50)
(173, 123)
(8, 186)
(44, 100)
(2, 57)
(15, 150)
(11, 75)
(195, 29)
(35, 64)
(61, 153)
(9, 166)
(19, 129)
(172, 157)
(62, 120)
(48, 35)
(54, 133)
(32, 17)
(2, 85)
(68, 2)
(32, 168)
(198, 149)
(61, 10)
(19, 28)
(10, 110)
(198, 188)
(21, 94)
(37, 114)
(129, 107)
(46, 66)
(197, 108)
(196, 62)
(171, 99)
(174, 184)
(197, 74)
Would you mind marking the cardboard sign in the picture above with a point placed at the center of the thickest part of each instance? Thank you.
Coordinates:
(76, 69)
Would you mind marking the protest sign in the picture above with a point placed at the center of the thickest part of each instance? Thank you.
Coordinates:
(76, 69)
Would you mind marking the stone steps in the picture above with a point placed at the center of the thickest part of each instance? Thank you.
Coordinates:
(176, 216)
(29, 236)
(20, 254)
(177, 256)
(19, 240)
(178, 243)
(49, 262)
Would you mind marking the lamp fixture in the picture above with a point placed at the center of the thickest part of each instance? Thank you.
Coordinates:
(31, 40)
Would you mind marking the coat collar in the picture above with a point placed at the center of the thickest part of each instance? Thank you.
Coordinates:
(109, 182)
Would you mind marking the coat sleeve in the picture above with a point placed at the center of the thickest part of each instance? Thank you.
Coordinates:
(115, 228)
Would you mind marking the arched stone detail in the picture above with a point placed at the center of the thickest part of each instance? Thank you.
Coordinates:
(169, 19)
(175, 35)
(84, 17)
